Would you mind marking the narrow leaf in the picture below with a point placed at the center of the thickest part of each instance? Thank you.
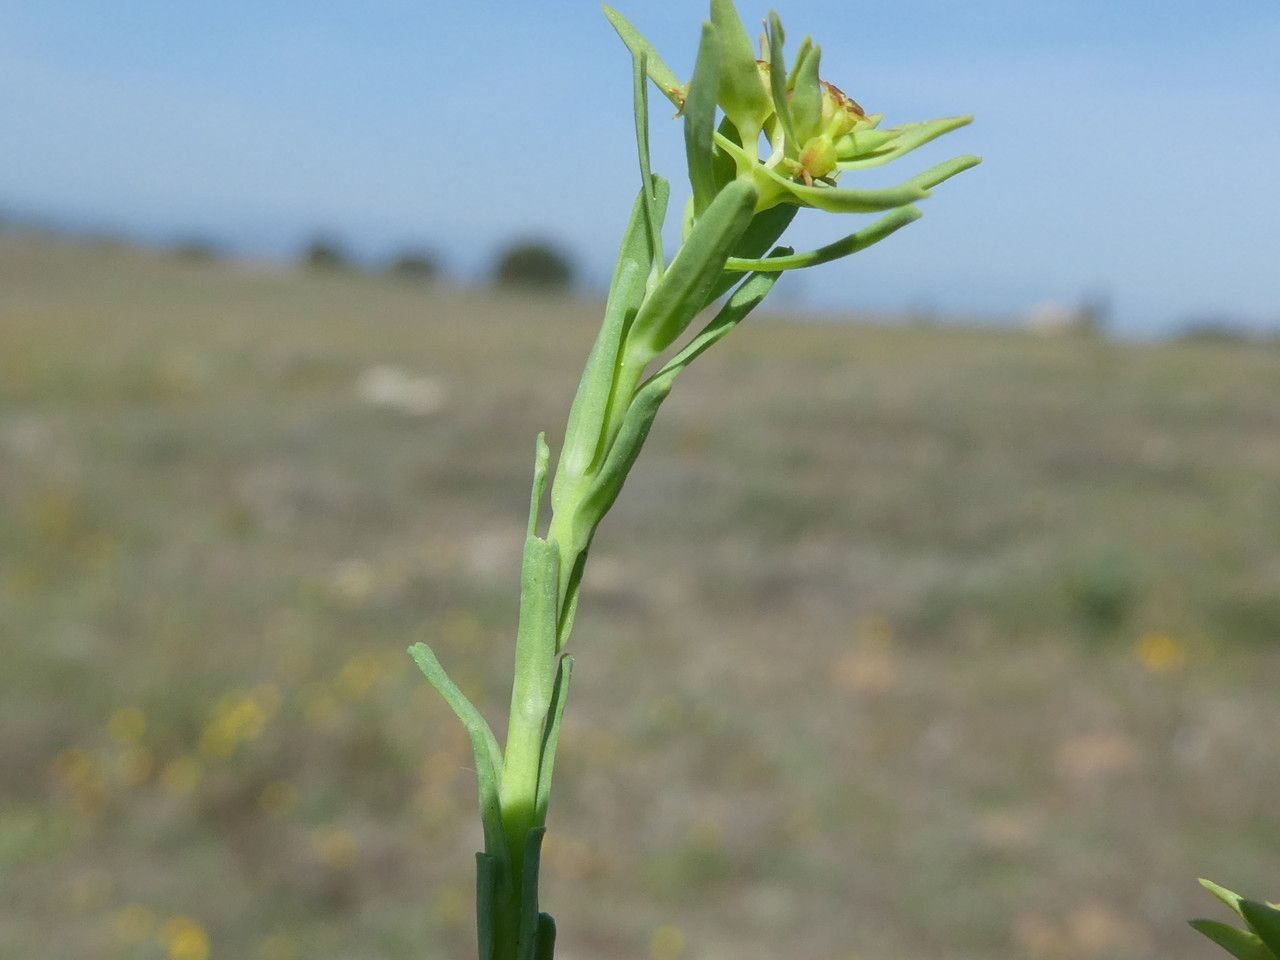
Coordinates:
(569, 594)
(806, 98)
(943, 171)
(746, 298)
(658, 71)
(640, 100)
(535, 635)
(863, 141)
(774, 28)
(484, 745)
(640, 414)
(533, 688)
(853, 243)
(700, 120)
(842, 200)
(906, 138)
(633, 432)
(805, 44)
(683, 290)
(778, 82)
(1239, 943)
(587, 414)
(551, 738)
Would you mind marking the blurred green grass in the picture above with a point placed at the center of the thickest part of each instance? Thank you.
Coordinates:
(901, 642)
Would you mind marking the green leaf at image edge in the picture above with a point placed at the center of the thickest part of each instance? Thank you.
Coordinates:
(1264, 920)
(546, 937)
(1239, 943)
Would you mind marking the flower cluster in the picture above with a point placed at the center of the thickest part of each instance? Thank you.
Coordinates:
(811, 130)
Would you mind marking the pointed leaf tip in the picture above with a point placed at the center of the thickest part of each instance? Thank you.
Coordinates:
(657, 70)
(775, 22)
(806, 94)
(742, 94)
(699, 120)
(1228, 897)
(853, 243)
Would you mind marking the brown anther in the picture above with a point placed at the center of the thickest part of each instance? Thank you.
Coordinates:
(842, 99)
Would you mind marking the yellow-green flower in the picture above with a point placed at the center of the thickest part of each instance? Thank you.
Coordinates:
(814, 130)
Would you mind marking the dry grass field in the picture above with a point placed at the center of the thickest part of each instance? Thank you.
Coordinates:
(902, 643)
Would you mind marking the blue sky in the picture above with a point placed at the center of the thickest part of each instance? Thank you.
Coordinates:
(1132, 149)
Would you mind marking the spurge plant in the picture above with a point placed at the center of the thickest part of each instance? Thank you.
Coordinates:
(762, 139)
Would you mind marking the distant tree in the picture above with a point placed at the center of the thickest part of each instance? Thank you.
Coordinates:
(1094, 313)
(110, 242)
(1210, 328)
(533, 264)
(325, 253)
(414, 265)
(196, 248)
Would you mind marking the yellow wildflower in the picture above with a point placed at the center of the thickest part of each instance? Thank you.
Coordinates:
(1160, 653)
(185, 939)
